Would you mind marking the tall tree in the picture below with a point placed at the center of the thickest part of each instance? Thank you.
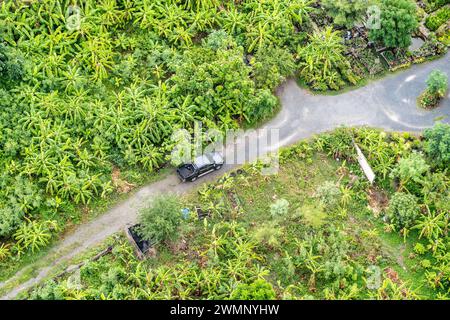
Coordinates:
(398, 22)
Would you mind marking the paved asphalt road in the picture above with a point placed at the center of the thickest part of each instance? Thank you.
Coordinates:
(389, 103)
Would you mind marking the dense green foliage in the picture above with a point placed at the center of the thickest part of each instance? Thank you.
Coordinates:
(279, 208)
(228, 259)
(410, 170)
(432, 5)
(346, 13)
(159, 221)
(437, 86)
(271, 65)
(438, 143)
(328, 194)
(11, 65)
(437, 83)
(435, 20)
(398, 21)
(362, 247)
(258, 290)
(323, 64)
(82, 95)
(100, 87)
(403, 210)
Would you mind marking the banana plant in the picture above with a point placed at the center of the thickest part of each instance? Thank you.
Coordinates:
(431, 226)
(34, 235)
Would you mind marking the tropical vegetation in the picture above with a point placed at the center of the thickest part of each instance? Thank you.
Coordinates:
(92, 92)
(268, 237)
(397, 22)
(437, 86)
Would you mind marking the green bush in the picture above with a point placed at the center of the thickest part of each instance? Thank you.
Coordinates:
(258, 290)
(5, 252)
(263, 105)
(437, 86)
(427, 100)
(271, 65)
(35, 234)
(329, 194)
(431, 5)
(218, 39)
(434, 21)
(437, 143)
(398, 22)
(160, 221)
(279, 208)
(346, 13)
(403, 210)
(437, 83)
(323, 63)
(411, 168)
(268, 234)
(11, 64)
(9, 221)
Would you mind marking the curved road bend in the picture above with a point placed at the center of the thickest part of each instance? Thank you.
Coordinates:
(389, 103)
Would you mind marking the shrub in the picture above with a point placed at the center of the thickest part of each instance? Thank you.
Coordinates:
(218, 39)
(345, 13)
(11, 64)
(268, 234)
(9, 221)
(258, 290)
(431, 5)
(323, 62)
(427, 100)
(312, 215)
(337, 144)
(432, 46)
(437, 142)
(160, 221)
(51, 290)
(279, 208)
(445, 37)
(398, 21)
(35, 234)
(410, 168)
(434, 21)
(437, 83)
(403, 210)
(420, 248)
(263, 106)
(329, 194)
(271, 65)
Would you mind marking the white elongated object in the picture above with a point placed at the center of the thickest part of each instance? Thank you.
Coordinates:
(365, 166)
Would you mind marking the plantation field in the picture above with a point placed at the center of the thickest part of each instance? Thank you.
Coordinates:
(316, 230)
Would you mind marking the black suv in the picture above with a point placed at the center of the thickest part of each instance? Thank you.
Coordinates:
(202, 165)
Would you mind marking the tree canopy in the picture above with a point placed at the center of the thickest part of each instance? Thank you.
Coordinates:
(346, 13)
(398, 21)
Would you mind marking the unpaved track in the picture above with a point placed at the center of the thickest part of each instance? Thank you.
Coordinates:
(389, 103)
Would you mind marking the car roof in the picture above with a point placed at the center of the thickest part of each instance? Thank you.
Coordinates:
(217, 157)
(202, 161)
